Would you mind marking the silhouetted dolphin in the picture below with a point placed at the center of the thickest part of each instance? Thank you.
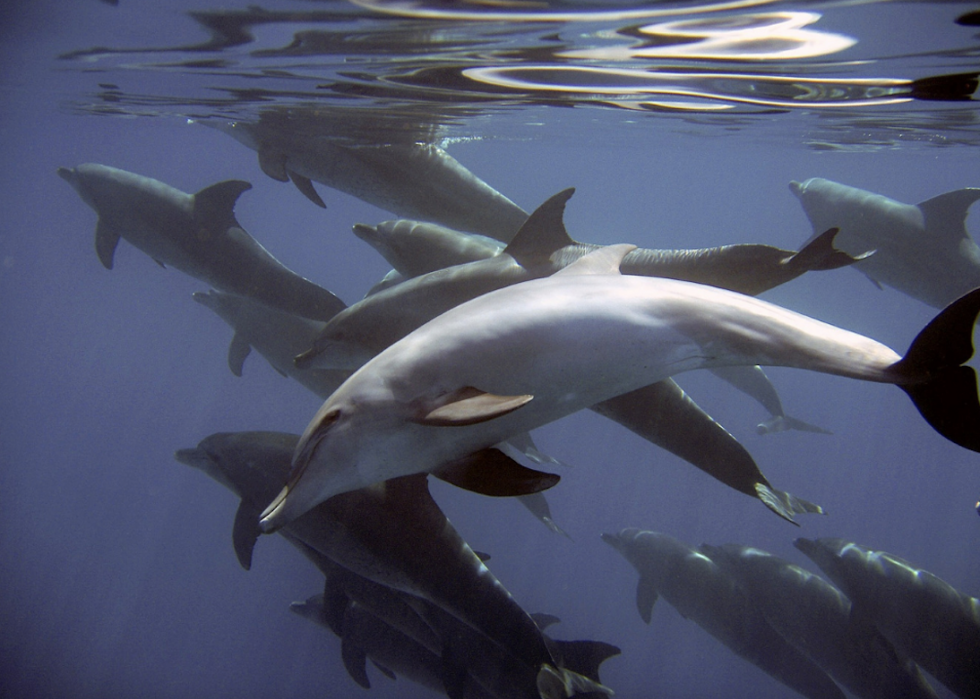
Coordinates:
(413, 180)
(923, 616)
(816, 617)
(392, 533)
(195, 233)
(923, 250)
(701, 592)
(519, 357)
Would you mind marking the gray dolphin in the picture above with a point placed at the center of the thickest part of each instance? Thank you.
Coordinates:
(924, 617)
(922, 250)
(522, 356)
(276, 334)
(702, 593)
(753, 382)
(816, 617)
(541, 248)
(413, 180)
(195, 233)
(392, 533)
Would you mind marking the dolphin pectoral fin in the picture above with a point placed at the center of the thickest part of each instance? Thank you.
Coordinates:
(491, 472)
(452, 671)
(355, 662)
(214, 206)
(245, 533)
(585, 657)
(785, 504)
(470, 406)
(646, 597)
(238, 352)
(304, 185)
(934, 373)
(602, 261)
(273, 164)
(106, 240)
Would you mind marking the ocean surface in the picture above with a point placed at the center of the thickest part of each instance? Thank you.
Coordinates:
(679, 124)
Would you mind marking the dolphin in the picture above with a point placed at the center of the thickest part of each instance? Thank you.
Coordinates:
(923, 616)
(522, 356)
(391, 627)
(922, 250)
(277, 335)
(195, 233)
(541, 248)
(701, 592)
(753, 382)
(409, 179)
(816, 617)
(392, 533)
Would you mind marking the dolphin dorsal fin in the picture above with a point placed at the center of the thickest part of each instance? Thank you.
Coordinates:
(946, 214)
(602, 261)
(543, 232)
(214, 206)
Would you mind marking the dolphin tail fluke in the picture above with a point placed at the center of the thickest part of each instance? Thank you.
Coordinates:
(819, 254)
(782, 423)
(933, 374)
(558, 683)
(785, 504)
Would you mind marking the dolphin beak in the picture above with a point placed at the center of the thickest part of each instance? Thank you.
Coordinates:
(364, 232)
(796, 188)
(68, 175)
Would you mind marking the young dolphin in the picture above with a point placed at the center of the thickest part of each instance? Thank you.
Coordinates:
(195, 233)
(520, 357)
(923, 616)
(922, 250)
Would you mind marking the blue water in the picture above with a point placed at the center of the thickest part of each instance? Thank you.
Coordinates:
(117, 574)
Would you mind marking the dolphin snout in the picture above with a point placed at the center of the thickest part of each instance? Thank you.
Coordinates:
(365, 232)
(68, 175)
(797, 188)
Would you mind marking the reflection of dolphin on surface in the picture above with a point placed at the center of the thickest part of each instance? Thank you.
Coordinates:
(519, 357)
(922, 250)
(816, 617)
(414, 180)
(923, 616)
(701, 592)
(392, 533)
(195, 233)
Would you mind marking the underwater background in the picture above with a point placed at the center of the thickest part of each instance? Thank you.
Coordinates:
(117, 572)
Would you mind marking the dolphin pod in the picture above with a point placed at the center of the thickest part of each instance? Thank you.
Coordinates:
(922, 250)
(393, 534)
(525, 355)
(816, 617)
(195, 233)
(920, 614)
(700, 591)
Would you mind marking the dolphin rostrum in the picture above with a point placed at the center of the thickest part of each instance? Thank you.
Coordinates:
(924, 617)
(922, 250)
(195, 233)
(520, 357)
(700, 591)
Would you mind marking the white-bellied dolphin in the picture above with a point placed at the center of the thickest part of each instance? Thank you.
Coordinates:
(701, 592)
(392, 533)
(519, 357)
(409, 179)
(195, 233)
(922, 250)
(816, 617)
(923, 616)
